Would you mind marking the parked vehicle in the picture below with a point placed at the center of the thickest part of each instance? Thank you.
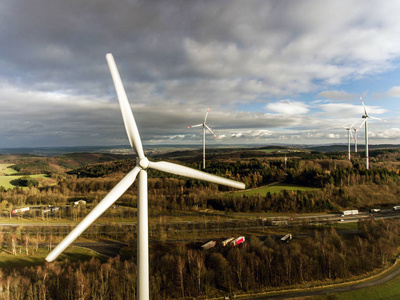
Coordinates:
(350, 212)
(19, 210)
(238, 240)
(287, 238)
(209, 245)
(227, 241)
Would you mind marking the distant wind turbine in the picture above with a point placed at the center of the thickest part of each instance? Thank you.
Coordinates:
(142, 164)
(365, 123)
(355, 137)
(348, 128)
(204, 136)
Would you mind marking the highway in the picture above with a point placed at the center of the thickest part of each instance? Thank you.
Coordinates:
(228, 223)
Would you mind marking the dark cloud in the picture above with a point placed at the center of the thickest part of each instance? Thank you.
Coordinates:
(176, 58)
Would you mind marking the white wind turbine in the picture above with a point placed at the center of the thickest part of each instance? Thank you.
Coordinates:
(366, 116)
(356, 129)
(204, 136)
(348, 128)
(142, 164)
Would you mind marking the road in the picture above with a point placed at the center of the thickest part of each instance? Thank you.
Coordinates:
(330, 290)
(110, 249)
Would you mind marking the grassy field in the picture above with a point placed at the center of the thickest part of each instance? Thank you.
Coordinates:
(7, 175)
(5, 181)
(6, 170)
(275, 188)
(7, 260)
(389, 290)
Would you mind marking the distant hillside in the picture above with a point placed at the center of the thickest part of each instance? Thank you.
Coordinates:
(181, 152)
(34, 164)
(343, 147)
(75, 160)
(53, 151)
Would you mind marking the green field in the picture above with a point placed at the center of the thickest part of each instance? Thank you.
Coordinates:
(5, 181)
(275, 188)
(6, 170)
(389, 290)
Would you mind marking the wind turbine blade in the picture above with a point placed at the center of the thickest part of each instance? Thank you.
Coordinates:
(352, 125)
(127, 115)
(198, 125)
(108, 200)
(362, 124)
(205, 118)
(211, 130)
(365, 111)
(192, 173)
(377, 119)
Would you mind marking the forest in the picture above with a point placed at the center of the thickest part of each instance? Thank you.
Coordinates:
(179, 271)
(322, 255)
(341, 184)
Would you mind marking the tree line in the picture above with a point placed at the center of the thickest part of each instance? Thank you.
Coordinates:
(181, 271)
(342, 184)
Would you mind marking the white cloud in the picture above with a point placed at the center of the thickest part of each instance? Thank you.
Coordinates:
(394, 92)
(392, 134)
(341, 110)
(337, 95)
(288, 107)
(333, 136)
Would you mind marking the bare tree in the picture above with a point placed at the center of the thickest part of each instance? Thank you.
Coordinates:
(180, 264)
(27, 244)
(14, 246)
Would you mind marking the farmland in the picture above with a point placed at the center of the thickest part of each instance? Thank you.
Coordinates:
(7, 177)
(6, 170)
(275, 188)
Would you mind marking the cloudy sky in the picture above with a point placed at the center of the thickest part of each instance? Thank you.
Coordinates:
(286, 72)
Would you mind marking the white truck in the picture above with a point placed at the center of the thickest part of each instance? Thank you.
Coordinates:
(396, 207)
(238, 240)
(20, 210)
(209, 245)
(227, 241)
(350, 212)
(287, 238)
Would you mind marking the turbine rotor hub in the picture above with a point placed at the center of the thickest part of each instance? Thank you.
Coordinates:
(143, 163)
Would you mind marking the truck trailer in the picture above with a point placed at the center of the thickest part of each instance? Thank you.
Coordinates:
(19, 210)
(238, 240)
(227, 241)
(350, 212)
(287, 238)
(208, 245)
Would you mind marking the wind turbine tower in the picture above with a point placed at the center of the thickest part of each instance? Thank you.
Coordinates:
(348, 128)
(365, 123)
(348, 142)
(140, 170)
(204, 125)
(285, 162)
(355, 137)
